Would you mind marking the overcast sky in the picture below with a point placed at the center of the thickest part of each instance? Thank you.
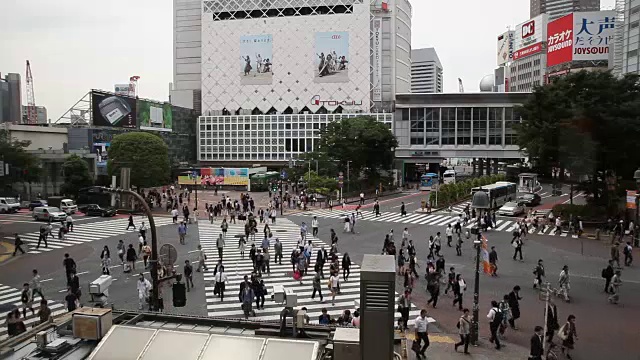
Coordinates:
(77, 45)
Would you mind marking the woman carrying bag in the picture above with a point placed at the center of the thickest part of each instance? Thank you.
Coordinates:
(568, 335)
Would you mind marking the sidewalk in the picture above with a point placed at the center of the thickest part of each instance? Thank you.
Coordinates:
(441, 348)
(6, 250)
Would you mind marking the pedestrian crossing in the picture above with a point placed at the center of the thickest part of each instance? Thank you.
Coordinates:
(433, 219)
(236, 267)
(10, 299)
(83, 233)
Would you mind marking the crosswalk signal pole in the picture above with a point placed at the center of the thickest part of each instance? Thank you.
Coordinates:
(281, 200)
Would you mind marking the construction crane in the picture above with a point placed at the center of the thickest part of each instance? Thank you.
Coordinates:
(460, 87)
(32, 112)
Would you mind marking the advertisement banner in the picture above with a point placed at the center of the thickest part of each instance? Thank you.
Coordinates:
(505, 48)
(631, 199)
(216, 176)
(154, 116)
(236, 176)
(530, 32)
(377, 60)
(121, 89)
(332, 57)
(113, 110)
(527, 51)
(592, 35)
(560, 40)
(256, 59)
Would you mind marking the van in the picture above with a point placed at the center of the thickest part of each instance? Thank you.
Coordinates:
(47, 213)
(66, 205)
(449, 176)
(9, 205)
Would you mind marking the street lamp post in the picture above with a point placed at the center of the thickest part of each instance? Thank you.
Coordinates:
(475, 328)
(348, 177)
(154, 243)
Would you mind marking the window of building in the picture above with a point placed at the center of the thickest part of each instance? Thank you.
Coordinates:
(510, 122)
(464, 125)
(479, 126)
(432, 126)
(448, 120)
(495, 126)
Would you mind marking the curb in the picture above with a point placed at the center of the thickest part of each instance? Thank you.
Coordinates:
(4, 256)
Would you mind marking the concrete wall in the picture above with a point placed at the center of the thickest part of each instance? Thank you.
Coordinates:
(40, 137)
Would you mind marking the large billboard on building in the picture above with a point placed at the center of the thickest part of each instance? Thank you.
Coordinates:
(376, 60)
(113, 110)
(216, 176)
(311, 62)
(529, 37)
(592, 34)
(154, 116)
(505, 47)
(560, 40)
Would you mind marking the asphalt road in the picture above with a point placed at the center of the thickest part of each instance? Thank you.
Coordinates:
(604, 330)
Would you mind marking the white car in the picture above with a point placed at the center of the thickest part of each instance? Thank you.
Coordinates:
(511, 209)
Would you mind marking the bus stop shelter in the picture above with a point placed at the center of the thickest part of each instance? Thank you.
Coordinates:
(129, 343)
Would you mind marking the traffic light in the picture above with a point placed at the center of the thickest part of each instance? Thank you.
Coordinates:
(274, 187)
(179, 294)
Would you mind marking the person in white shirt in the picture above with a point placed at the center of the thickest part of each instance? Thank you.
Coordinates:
(221, 278)
(334, 281)
(558, 225)
(143, 287)
(449, 232)
(422, 334)
(69, 221)
(405, 238)
(314, 226)
(174, 215)
(361, 198)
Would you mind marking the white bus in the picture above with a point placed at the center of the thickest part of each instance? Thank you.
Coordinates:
(449, 176)
(499, 193)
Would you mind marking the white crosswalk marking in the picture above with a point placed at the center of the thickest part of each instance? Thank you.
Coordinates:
(10, 298)
(83, 233)
(435, 219)
(236, 267)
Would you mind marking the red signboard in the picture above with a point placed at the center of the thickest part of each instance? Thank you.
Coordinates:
(527, 51)
(560, 40)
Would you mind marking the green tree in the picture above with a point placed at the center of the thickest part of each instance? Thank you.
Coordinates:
(23, 166)
(145, 154)
(76, 175)
(364, 142)
(586, 122)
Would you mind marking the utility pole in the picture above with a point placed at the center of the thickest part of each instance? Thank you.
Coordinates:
(475, 326)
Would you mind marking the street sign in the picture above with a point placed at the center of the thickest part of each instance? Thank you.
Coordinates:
(283, 175)
(631, 199)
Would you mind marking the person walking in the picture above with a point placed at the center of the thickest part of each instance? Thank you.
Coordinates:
(69, 266)
(517, 244)
(317, 286)
(26, 297)
(220, 245)
(131, 258)
(43, 237)
(607, 274)
(495, 317)
(143, 286)
(615, 253)
(188, 275)
(536, 350)
(17, 242)
(146, 254)
(278, 252)
(182, 232)
(539, 274)
(493, 261)
(464, 329)
(36, 285)
(616, 282)
(221, 279)
(627, 251)
(334, 283)
(346, 266)
(131, 224)
(404, 307)
(422, 334)
(121, 250)
(459, 286)
(568, 335)
(449, 232)
(314, 226)
(105, 260)
(403, 210)
(224, 227)
(514, 305)
(201, 259)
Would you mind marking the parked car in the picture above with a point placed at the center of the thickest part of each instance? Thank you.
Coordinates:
(47, 213)
(97, 210)
(9, 205)
(511, 208)
(530, 199)
(37, 203)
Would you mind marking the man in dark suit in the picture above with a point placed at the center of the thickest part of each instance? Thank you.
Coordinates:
(537, 350)
(321, 258)
(514, 306)
(552, 321)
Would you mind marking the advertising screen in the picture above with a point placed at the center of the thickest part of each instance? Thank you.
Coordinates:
(216, 176)
(592, 35)
(530, 32)
(256, 59)
(332, 57)
(154, 116)
(112, 110)
(560, 40)
(505, 48)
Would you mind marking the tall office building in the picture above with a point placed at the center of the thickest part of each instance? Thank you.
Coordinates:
(629, 34)
(41, 115)
(558, 8)
(426, 71)
(10, 98)
(185, 90)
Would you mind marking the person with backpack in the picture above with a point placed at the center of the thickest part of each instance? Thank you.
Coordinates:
(464, 329)
(628, 254)
(495, 317)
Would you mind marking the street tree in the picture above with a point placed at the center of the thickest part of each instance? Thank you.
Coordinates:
(145, 154)
(76, 175)
(363, 142)
(587, 123)
(23, 166)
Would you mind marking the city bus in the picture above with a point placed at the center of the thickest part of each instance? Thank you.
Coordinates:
(429, 181)
(499, 193)
(261, 181)
(449, 177)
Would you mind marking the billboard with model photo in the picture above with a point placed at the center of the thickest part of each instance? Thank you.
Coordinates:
(114, 111)
(332, 57)
(154, 116)
(256, 59)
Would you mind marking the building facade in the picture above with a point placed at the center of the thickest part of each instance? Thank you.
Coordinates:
(426, 71)
(185, 91)
(275, 72)
(528, 67)
(630, 35)
(41, 113)
(434, 127)
(558, 8)
(11, 98)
